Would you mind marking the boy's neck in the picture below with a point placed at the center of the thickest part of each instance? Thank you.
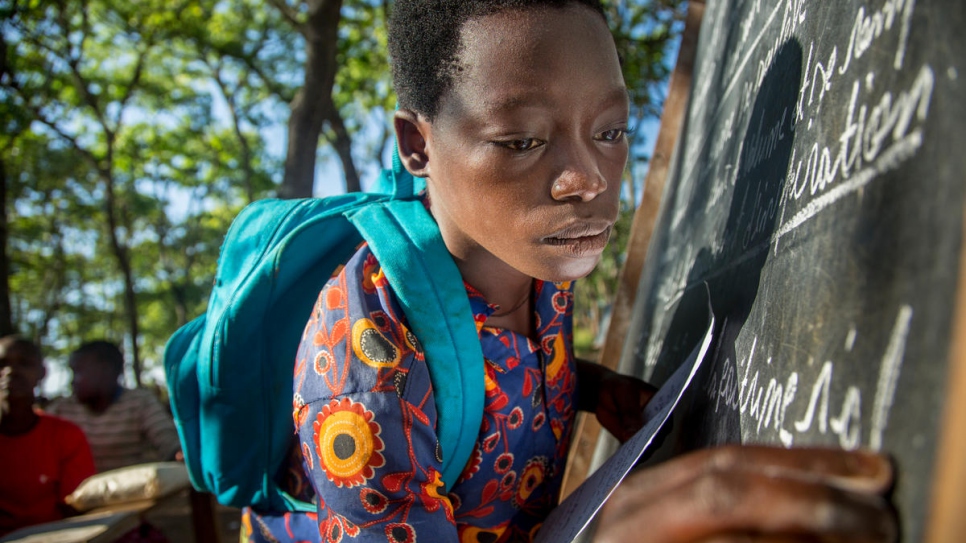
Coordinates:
(19, 418)
(499, 283)
(519, 319)
(514, 301)
(514, 306)
(102, 402)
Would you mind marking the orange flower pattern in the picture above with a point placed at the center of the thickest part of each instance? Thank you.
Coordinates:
(347, 443)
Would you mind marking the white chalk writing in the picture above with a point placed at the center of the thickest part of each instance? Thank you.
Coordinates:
(868, 28)
(764, 401)
(881, 127)
(878, 136)
(888, 376)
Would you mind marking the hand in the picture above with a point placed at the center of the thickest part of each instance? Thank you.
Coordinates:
(620, 404)
(618, 400)
(755, 494)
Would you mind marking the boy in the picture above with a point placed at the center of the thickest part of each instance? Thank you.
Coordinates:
(125, 427)
(42, 458)
(515, 112)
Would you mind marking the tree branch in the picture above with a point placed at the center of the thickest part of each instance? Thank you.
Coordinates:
(274, 87)
(39, 116)
(246, 158)
(74, 63)
(135, 80)
(289, 14)
(342, 142)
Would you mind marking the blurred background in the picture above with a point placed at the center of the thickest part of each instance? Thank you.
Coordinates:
(133, 131)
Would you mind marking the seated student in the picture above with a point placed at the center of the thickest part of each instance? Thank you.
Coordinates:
(42, 458)
(124, 426)
(516, 113)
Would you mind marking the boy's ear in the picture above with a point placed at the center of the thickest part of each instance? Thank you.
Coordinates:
(412, 131)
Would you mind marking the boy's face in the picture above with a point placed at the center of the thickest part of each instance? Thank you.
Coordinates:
(91, 378)
(526, 153)
(21, 370)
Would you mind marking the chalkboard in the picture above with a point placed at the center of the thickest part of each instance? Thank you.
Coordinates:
(818, 188)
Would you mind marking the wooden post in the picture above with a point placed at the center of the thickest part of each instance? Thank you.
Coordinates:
(204, 519)
(947, 517)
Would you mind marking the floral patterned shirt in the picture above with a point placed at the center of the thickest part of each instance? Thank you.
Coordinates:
(365, 414)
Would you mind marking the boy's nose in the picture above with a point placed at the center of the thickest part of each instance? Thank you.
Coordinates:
(580, 178)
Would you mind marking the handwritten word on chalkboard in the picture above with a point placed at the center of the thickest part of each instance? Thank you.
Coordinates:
(818, 189)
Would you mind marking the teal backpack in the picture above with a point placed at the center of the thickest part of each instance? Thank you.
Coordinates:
(230, 371)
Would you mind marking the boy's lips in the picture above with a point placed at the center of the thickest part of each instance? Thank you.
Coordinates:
(582, 238)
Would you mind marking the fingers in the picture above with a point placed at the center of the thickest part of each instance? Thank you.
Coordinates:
(759, 538)
(788, 513)
(647, 391)
(761, 493)
(621, 406)
(613, 424)
(640, 393)
(858, 471)
(622, 423)
(733, 502)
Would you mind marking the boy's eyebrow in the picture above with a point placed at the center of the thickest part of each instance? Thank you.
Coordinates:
(516, 101)
(621, 94)
(528, 99)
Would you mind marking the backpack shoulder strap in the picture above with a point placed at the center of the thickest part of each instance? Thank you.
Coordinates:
(428, 284)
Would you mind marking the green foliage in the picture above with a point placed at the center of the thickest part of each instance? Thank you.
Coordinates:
(116, 100)
(363, 83)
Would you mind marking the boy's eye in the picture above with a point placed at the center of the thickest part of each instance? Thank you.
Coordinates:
(615, 134)
(524, 144)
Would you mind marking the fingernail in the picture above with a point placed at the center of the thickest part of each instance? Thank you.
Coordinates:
(869, 472)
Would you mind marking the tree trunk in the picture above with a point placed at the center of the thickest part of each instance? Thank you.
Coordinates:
(124, 263)
(343, 146)
(312, 105)
(6, 321)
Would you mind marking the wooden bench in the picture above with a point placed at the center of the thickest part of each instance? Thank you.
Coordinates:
(106, 524)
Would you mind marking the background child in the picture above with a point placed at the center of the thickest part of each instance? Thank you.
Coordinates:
(124, 426)
(516, 113)
(42, 458)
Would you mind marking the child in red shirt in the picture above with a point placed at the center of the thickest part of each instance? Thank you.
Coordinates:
(42, 458)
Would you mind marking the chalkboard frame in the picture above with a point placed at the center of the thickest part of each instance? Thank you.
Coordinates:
(947, 521)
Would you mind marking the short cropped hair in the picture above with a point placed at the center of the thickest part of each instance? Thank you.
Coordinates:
(424, 41)
(15, 340)
(104, 351)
